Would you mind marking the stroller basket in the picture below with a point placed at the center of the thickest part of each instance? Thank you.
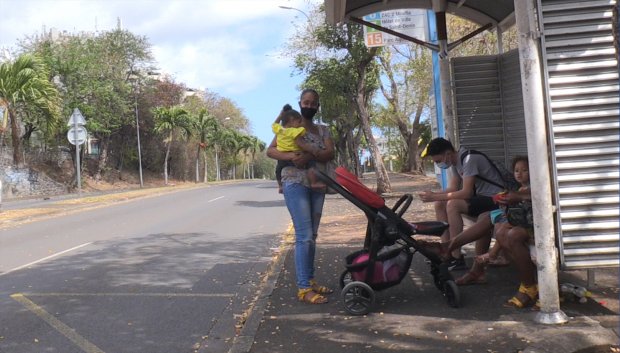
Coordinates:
(388, 249)
(388, 268)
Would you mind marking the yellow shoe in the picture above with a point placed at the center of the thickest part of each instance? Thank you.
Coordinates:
(311, 297)
(320, 289)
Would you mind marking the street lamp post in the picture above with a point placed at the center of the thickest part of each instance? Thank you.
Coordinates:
(135, 95)
(310, 24)
(135, 80)
(296, 9)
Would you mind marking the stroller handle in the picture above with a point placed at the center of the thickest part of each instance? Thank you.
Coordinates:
(406, 198)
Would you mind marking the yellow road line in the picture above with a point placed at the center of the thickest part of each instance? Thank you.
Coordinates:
(58, 325)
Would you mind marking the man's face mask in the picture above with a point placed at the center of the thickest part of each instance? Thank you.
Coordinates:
(444, 164)
(308, 113)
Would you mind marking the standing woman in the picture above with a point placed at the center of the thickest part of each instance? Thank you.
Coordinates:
(305, 204)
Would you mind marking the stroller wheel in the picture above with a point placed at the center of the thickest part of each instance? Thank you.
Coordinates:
(358, 298)
(345, 278)
(436, 279)
(452, 294)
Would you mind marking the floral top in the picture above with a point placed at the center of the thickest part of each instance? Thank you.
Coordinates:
(292, 174)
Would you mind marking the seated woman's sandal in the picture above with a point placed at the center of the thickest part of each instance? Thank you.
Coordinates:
(525, 297)
(486, 259)
(310, 296)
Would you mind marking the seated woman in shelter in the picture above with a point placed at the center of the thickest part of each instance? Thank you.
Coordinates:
(497, 222)
(515, 240)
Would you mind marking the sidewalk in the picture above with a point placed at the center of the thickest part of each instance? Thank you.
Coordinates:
(413, 316)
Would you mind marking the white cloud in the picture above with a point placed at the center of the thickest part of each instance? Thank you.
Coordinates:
(224, 45)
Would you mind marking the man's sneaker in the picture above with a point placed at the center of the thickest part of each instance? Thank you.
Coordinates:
(457, 264)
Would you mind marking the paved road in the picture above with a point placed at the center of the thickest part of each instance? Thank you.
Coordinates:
(172, 273)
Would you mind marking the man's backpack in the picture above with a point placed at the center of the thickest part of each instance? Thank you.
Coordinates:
(510, 183)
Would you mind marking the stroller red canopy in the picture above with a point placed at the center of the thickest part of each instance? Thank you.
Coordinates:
(350, 182)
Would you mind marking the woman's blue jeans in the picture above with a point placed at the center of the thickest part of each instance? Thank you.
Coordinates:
(305, 206)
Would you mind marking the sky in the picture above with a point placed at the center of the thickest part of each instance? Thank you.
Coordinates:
(230, 47)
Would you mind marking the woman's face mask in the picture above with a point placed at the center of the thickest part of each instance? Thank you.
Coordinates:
(309, 105)
(308, 113)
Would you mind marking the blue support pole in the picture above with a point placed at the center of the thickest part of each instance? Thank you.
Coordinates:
(432, 35)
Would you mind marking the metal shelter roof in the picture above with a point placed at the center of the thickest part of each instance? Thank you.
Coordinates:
(497, 12)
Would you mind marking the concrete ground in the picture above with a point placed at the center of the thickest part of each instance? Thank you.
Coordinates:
(410, 317)
(413, 316)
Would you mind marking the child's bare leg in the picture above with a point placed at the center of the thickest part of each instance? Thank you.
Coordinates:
(315, 183)
(489, 256)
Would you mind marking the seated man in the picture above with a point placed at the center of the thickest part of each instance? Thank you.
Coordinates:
(473, 181)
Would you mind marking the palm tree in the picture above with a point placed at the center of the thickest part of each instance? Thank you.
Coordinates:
(224, 139)
(168, 121)
(242, 144)
(203, 125)
(256, 145)
(25, 84)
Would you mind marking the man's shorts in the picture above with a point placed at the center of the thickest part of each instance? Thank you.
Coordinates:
(480, 204)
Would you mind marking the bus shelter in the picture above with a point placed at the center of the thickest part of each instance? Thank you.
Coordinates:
(555, 99)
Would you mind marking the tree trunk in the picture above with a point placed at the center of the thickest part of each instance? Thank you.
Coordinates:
(103, 157)
(411, 139)
(206, 179)
(198, 164)
(217, 166)
(15, 138)
(27, 134)
(383, 180)
(351, 150)
(166, 160)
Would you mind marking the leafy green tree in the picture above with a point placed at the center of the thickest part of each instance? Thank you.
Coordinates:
(225, 110)
(93, 72)
(204, 125)
(255, 145)
(224, 140)
(25, 86)
(167, 122)
(236, 144)
(345, 43)
(335, 80)
(484, 43)
(408, 77)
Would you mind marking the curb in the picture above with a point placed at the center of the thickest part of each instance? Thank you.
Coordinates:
(245, 340)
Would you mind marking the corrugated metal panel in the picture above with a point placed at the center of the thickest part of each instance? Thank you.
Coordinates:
(489, 105)
(581, 66)
(477, 101)
(512, 102)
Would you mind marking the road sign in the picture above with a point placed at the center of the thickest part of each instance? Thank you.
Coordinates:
(76, 118)
(81, 135)
(411, 22)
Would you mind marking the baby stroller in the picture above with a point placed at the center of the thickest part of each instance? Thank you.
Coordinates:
(388, 247)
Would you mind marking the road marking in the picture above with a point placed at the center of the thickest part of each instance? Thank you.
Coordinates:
(45, 258)
(217, 198)
(58, 325)
(167, 295)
